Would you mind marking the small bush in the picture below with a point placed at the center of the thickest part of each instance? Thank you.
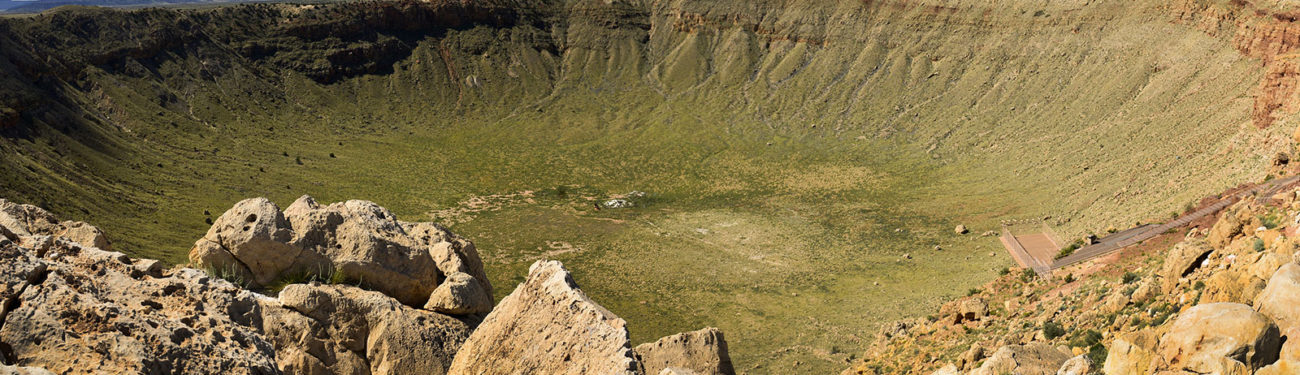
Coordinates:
(1069, 278)
(1085, 339)
(1066, 251)
(1259, 245)
(1004, 271)
(1052, 330)
(1097, 353)
(1198, 285)
(972, 291)
(1130, 277)
(1027, 275)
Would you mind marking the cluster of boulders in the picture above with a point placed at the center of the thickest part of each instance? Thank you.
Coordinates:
(1223, 299)
(359, 293)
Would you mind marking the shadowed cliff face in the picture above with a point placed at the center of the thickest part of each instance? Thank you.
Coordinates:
(827, 127)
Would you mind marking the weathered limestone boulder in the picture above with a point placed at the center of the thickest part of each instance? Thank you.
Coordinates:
(702, 352)
(1205, 334)
(365, 242)
(84, 234)
(1132, 354)
(17, 220)
(26, 220)
(459, 294)
(79, 309)
(341, 329)
(961, 229)
(971, 309)
(1280, 301)
(547, 326)
(251, 239)
(1230, 224)
(1079, 365)
(1032, 359)
(1145, 291)
(452, 253)
(1185, 257)
(1232, 286)
(970, 357)
(357, 240)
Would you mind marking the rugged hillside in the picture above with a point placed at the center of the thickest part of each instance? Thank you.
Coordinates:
(797, 149)
(1217, 298)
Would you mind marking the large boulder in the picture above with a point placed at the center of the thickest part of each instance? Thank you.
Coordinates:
(251, 240)
(70, 308)
(1132, 354)
(1079, 365)
(703, 352)
(354, 240)
(1280, 301)
(366, 243)
(341, 329)
(1032, 359)
(1232, 222)
(1185, 257)
(460, 294)
(1204, 335)
(547, 326)
(971, 309)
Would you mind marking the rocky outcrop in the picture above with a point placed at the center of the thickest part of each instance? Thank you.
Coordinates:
(1280, 301)
(547, 326)
(69, 308)
(341, 329)
(1183, 259)
(1205, 335)
(1031, 359)
(27, 220)
(73, 308)
(702, 352)
(358, 240)
(1132, 354)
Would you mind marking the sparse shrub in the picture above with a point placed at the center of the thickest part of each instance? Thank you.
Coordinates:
(1066, 251)
(972, 291)
(1259, 245)
(1027, 275)
(1129, 277)
(1069, 278)
(1085, 339)
(1271, 220)
(1004, 271)
(1097, 353)
(1198, 285)
(1052, 330)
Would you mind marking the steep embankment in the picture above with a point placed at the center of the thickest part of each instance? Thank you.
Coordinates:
(797, 149)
